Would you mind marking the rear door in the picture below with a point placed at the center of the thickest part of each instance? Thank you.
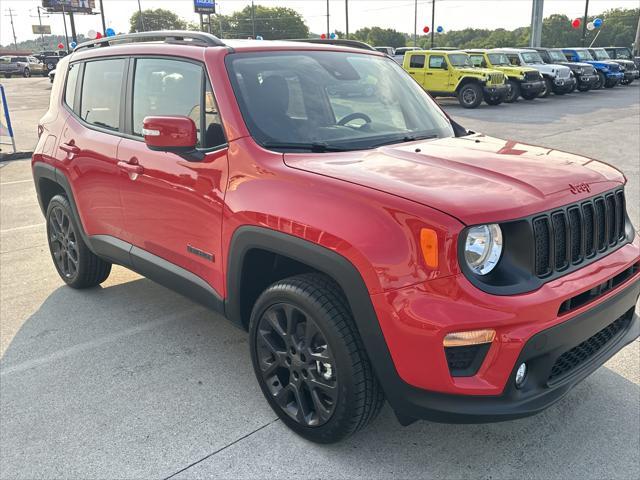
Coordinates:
(173, 207)
(87, 147)
(416, 66)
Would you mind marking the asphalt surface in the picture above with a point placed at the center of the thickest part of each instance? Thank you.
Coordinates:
(133, 381)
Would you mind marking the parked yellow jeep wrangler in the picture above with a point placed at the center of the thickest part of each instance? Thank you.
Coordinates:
(451, 74)
(522, 81)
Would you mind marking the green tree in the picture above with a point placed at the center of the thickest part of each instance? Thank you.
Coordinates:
(270, 23)
(158, 19)
(376, 36)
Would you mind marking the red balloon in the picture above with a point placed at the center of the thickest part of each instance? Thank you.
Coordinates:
(576, 23)
(98, 35)
(425, 29)
(60, 46)
(323, 36)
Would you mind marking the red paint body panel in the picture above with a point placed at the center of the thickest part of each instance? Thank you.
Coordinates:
(367, 206)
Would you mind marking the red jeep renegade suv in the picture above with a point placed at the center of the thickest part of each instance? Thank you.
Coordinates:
(318, 197)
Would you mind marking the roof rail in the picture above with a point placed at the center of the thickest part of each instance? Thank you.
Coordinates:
(343, 42)
(168, 36)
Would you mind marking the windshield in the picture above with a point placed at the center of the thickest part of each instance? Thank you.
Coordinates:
(320, 100)
(557, 56)
(583, 55)
(531, 57)
(459, 60)
(498, 59)
(600, 54)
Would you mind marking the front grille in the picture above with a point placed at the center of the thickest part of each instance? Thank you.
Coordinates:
(578, 232)
(531, 76)
(579, 354)
(496, 78)
(564, 72)
(588, 70)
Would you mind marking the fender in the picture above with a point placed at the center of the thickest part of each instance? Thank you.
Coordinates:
(336, 266)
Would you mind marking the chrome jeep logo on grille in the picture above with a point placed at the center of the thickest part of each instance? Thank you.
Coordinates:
(579, 187)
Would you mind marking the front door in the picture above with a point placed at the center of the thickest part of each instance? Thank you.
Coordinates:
(173, 206)
(438, 74)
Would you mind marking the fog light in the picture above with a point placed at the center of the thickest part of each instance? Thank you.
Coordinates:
(521, 374)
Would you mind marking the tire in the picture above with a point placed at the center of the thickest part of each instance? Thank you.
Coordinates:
(470, 95)
(584, 88)
(529, 96)
(26, 73)
(572, 89)
(493, 101)
(513, 92)
(78, 266)
(308, 356)
(610, 84)
(548, 88)
(601, 81)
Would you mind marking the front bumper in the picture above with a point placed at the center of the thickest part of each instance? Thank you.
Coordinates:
(414, 321)
(630, 74)
(532, 88)
(495, 91)
(563, 84)
(588, 80)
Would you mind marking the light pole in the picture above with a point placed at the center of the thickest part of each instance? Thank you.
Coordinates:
(104, 23)
(584, 23)
(253, 20)
(328, 32)
(346, 16)
(415, 23)
(433, 21)
(141, 17)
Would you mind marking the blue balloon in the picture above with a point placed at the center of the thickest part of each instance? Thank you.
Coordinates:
(110, 32)
(73, 44)
(597, 22)
(332, 36)
(439, 29)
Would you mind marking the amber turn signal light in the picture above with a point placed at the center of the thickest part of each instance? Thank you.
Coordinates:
(472, 337)
(429, 246)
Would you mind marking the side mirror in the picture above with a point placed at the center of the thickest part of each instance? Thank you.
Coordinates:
(170, 134)
(444, 66)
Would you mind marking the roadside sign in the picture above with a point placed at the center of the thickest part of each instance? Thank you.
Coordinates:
(41, 29)
(5, 121)
(204, 6)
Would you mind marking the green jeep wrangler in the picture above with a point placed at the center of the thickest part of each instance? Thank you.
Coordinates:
(521, 80)
(451, 74)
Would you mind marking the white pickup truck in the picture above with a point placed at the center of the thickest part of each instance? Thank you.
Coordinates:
(23, 66)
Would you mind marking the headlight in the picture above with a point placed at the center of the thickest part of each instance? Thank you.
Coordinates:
(483, 247)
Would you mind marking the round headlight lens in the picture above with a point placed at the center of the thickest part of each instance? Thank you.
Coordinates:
(483, 248)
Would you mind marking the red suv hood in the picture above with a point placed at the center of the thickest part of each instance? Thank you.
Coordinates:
(476, 179)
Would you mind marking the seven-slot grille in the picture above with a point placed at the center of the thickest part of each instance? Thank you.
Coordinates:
(496, 78)
(578, 232)
(532, 76)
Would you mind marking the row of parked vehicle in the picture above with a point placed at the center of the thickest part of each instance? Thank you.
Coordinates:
(507, 74)
(27, 65)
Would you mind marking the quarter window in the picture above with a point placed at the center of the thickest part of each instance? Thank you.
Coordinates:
(101, 93)
(174, 87)
(436, 61)
(417, 61)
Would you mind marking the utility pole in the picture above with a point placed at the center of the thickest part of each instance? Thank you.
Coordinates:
(415, 23)
(636, 45)
(15, 42)
(72, 23)
(253, 20)
(104, 23)
(536, 23)
(141, 17)
(433, 22)
(40, 22)
(584, 23)
(64, 21)
(328, 32)
(346, 16)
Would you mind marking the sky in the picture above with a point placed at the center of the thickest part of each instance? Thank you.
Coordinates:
(398, 14)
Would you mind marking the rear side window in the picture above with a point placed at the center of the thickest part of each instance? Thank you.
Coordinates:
(70, 87)
(416, 61)
(101, 93)
(175, 87)
(436, 61)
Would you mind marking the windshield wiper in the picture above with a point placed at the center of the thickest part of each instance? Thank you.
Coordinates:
(405, 139)
(316, 147)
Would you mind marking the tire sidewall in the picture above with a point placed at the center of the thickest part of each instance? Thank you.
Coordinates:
(26, 73)
(62, 202)
(514, 92)
(335, 426)
(548, 88)
(478, 92)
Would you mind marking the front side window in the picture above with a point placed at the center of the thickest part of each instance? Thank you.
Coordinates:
(70, 87)
(600, 54)
(622, 53)
(175, 87)
(436, 61)
(102, 92)
(477, 60)
(416, 61)
(498, 59)
(583, 55)
(342, 100)
(514, 59)
(459, 60)
(557, 56)
(531, 57)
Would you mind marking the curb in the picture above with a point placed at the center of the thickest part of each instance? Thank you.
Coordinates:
(5, 157)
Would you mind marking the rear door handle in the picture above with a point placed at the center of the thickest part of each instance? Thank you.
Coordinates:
(132, 167)
(70, 148)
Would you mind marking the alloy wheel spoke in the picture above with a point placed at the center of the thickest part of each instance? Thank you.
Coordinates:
(323, 412)
(303, 412)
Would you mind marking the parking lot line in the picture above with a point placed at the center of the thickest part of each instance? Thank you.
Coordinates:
(24, 227)
(16, 181)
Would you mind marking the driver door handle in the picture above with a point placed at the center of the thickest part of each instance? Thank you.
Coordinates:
(71, 148)
(132, 167)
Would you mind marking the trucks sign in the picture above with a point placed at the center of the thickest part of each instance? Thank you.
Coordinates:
(76, 6)
(204, 6)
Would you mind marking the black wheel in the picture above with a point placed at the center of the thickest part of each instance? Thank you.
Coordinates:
(513, 92)
(78, 266)
(572, 89)
(309, 359)
(529, 96)
(548, 88)
(26, 73)
(584, 87)
(493, 101)
(601, 81)
(470, 95)
(608, 84)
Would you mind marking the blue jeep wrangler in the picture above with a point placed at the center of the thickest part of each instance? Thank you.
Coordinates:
(609, 74)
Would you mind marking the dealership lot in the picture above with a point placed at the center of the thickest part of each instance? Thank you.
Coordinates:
(131, 380)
